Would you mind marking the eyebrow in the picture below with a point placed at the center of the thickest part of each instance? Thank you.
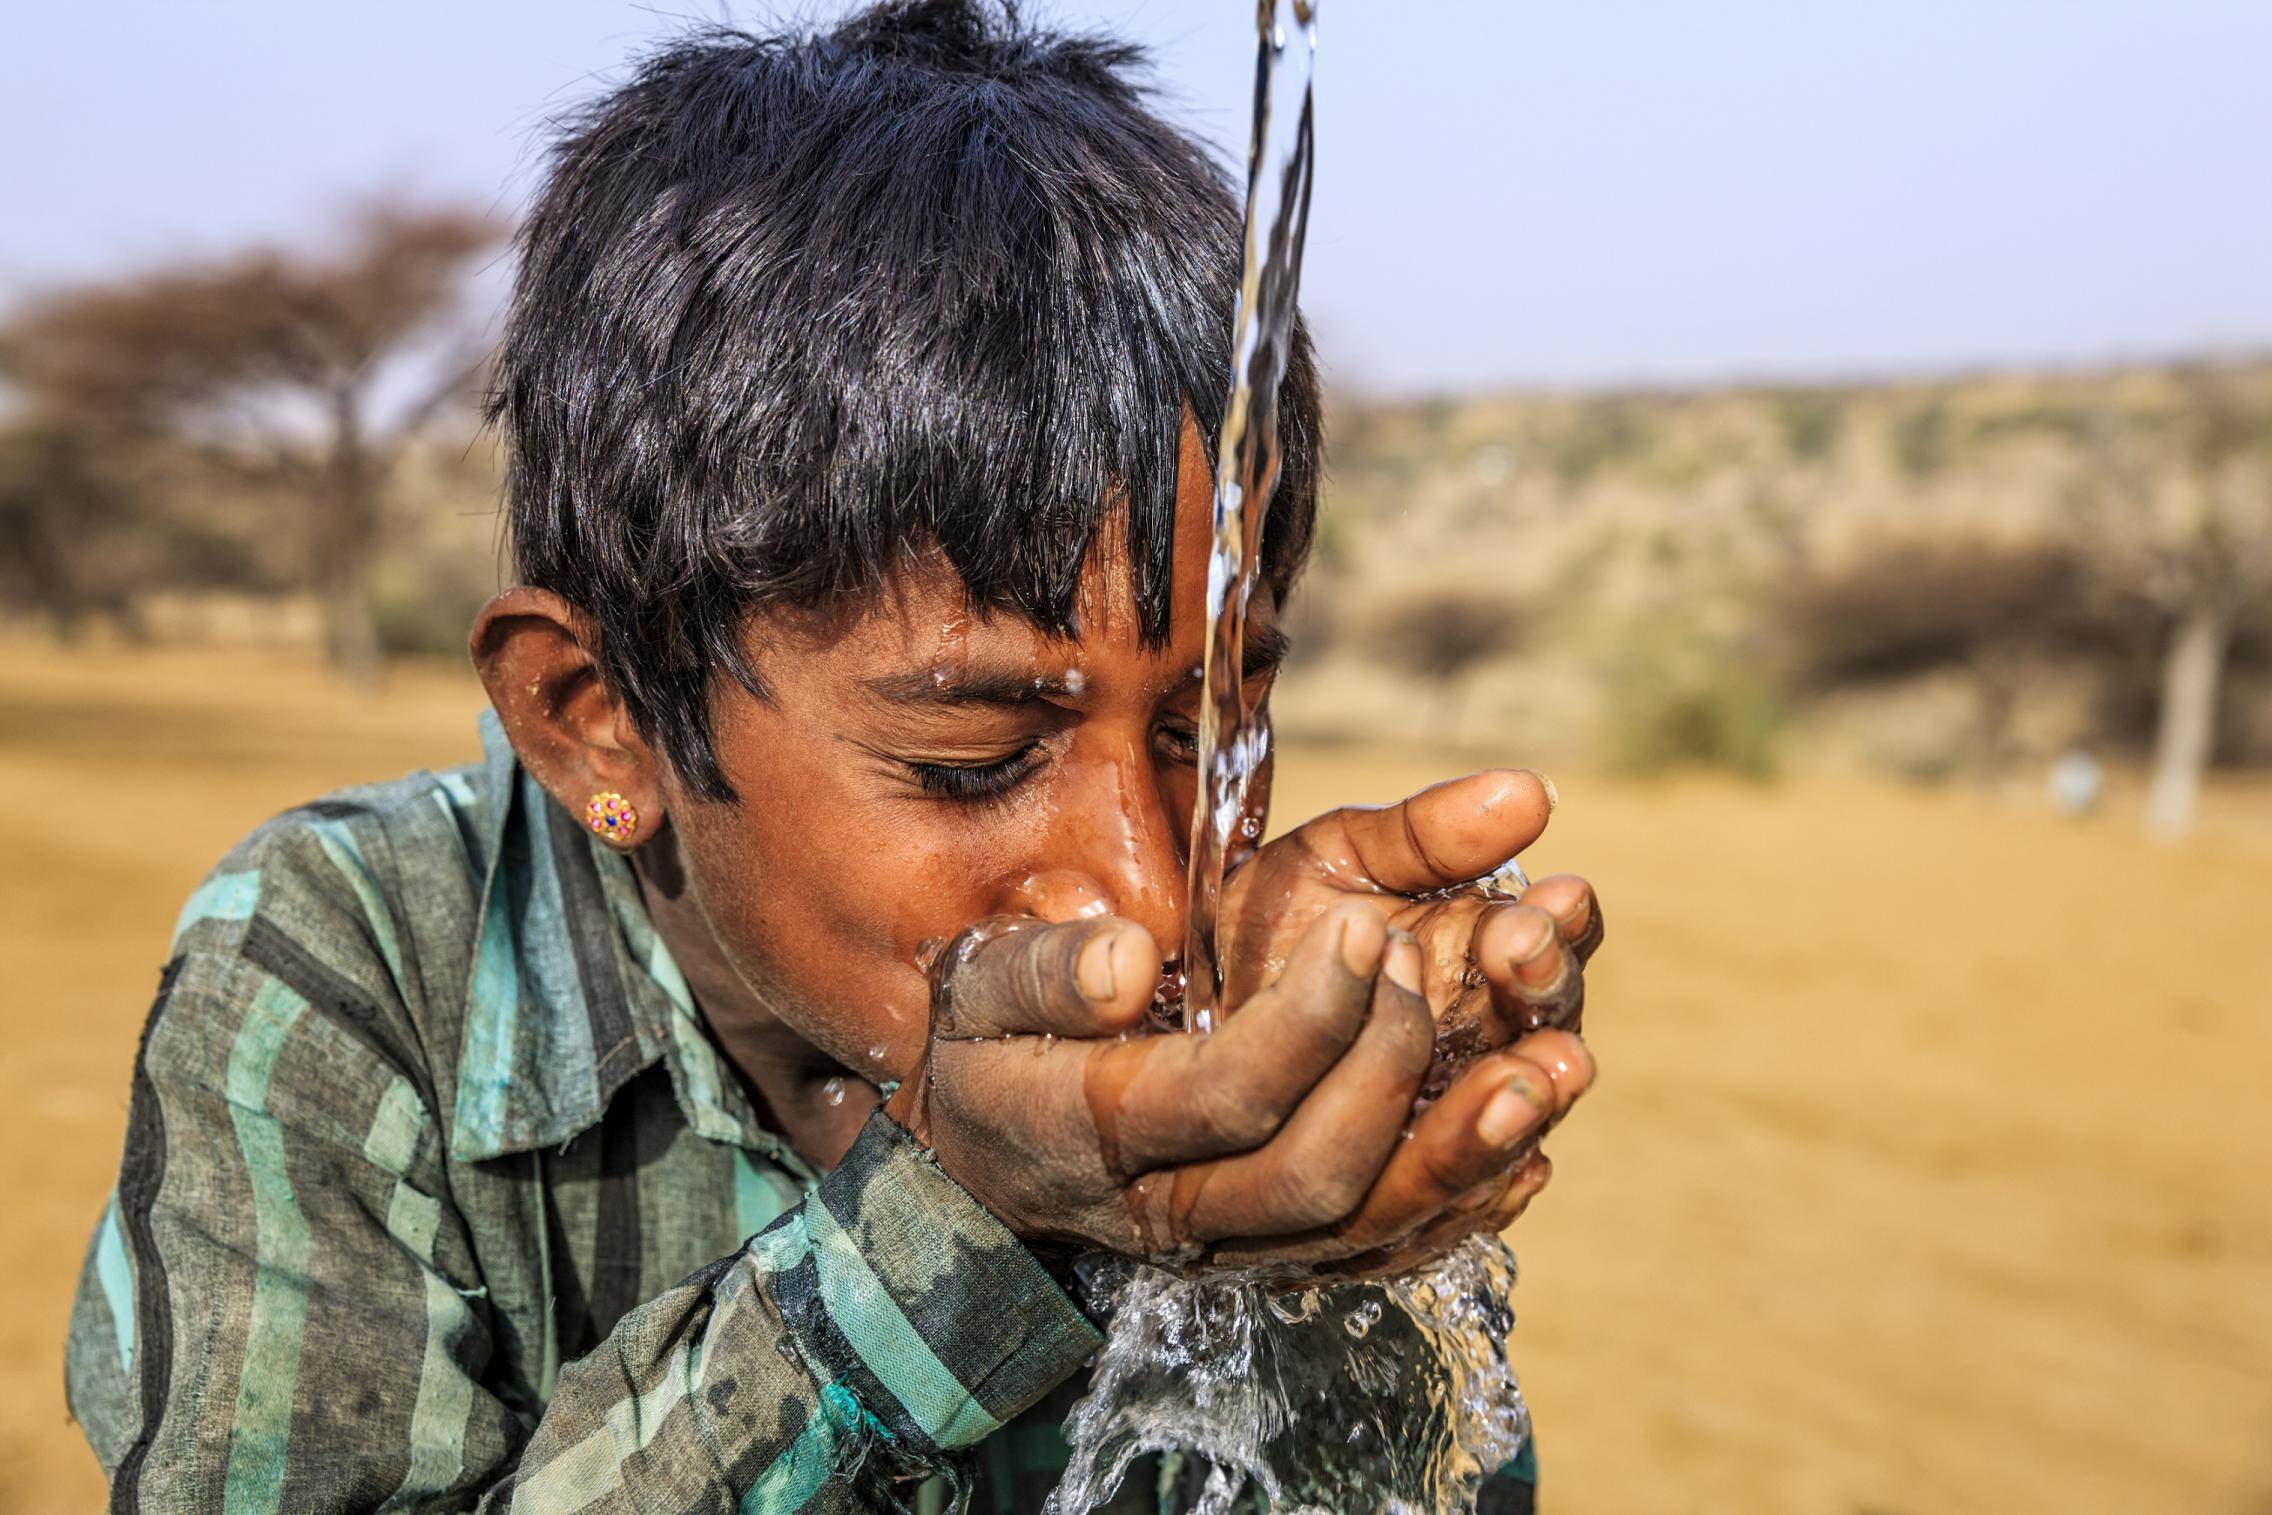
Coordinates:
(1265, 649)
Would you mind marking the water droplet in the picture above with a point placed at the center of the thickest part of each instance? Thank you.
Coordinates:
(1360, 1321)
(876, 1053)
(833, 1091)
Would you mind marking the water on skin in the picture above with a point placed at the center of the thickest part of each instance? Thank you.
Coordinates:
(1361, 1397)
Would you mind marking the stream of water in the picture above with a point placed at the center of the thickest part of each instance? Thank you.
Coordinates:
(1232, 747)
(1351, 1399)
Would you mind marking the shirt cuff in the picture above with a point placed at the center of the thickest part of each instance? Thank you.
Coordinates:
(905, 1290)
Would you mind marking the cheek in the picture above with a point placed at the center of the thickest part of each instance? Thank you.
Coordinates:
(830, 924)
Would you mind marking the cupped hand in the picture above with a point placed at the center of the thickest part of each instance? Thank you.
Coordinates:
(1285, 1138)
(1494, 970)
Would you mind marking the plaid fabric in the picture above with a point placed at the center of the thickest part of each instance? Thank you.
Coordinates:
(435, 1196)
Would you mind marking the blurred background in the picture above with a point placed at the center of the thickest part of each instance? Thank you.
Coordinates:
(1836, 443)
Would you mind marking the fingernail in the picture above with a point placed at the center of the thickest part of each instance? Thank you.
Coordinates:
(1092, 970)
(1541, 969)
(1402, 962)
(1361, 946)
(1512, 1112)
(1533, 933)
(1553, 795)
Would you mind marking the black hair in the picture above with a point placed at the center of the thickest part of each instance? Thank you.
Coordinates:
(793, 308)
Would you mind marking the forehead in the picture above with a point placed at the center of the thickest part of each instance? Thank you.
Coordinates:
(923, 610)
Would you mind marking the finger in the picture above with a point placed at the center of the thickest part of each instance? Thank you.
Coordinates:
(1012, 976)
(1576, 911)
(1535, 980)
(1331, 1150)
(1491, 1116)
(1484, 1211)
(1454, 832)
(1481, 1128)
(1179, 1099)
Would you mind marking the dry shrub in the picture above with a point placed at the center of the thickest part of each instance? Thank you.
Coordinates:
(1910, 606)
(1676, 698)
(1440, 634)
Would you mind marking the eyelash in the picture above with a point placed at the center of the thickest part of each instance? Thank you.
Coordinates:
(977, 783)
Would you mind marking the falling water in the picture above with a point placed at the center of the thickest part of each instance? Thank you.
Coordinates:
(1231, 747)
(1349, 1398)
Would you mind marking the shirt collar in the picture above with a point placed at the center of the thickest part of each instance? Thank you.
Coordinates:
(572, 992)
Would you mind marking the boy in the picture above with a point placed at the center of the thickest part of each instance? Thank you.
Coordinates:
(581, 1130)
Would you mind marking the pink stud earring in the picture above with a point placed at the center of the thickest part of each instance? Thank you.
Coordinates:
(611, 818)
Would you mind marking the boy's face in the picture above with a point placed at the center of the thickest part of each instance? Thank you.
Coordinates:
(918, 768)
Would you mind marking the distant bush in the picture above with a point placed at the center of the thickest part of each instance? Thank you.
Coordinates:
(1605, 432)
(1921, 441)
(1909, 606)
(1441, 634)
(2070, 424)
(1811, 420)
(1675, 699)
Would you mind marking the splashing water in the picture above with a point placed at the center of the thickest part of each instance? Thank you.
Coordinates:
(1366, 1397)
(1351, 1399)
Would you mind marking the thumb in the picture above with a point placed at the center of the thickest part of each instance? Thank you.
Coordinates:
(1451, 833)
(1015, 976)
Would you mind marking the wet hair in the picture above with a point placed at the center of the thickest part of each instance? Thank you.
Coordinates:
(792, 310)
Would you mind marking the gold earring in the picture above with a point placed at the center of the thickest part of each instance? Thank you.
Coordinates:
(611, 818)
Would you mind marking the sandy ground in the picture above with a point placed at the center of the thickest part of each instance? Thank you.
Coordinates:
(1928, 1172)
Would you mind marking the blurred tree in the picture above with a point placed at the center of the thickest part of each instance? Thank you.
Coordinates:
(1441, 635)
(2187, 522)
(56, 503)
(313, 369)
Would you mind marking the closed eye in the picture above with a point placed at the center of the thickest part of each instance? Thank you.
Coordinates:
(1179, 744)
(975, 783)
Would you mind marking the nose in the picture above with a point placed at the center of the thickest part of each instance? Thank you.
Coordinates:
(1114, 848)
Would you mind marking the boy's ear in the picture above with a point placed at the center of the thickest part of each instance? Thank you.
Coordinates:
(533, 652)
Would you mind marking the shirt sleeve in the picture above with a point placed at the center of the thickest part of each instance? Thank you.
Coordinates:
(886, 1320)
(298, 1319)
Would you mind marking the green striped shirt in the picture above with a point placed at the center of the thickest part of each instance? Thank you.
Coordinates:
(435, 1196)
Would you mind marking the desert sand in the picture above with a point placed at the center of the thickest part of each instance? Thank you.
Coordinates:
(1928, 1172)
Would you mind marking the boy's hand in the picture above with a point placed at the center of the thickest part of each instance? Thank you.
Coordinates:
(1495, 970)
(1286, 1136)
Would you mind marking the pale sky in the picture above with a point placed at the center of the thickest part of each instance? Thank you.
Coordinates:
(1508, 191)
